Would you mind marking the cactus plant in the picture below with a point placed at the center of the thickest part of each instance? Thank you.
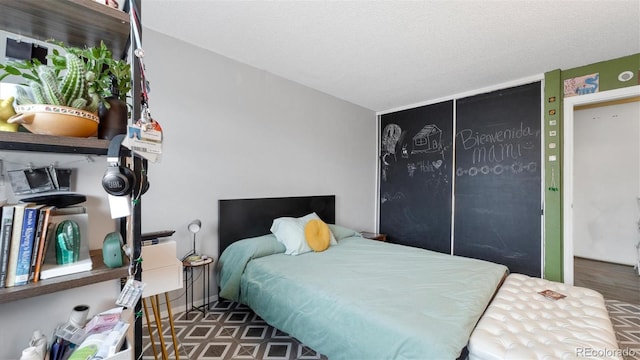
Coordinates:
(79, 78)
(48, 88)
(67, 242)
(101, 69)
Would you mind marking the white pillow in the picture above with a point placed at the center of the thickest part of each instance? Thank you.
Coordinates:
(290, 232)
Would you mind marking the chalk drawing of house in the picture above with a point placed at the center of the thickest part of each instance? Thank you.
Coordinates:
(429, 139)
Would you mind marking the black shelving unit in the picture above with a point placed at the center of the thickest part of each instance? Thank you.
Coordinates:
(77, 23)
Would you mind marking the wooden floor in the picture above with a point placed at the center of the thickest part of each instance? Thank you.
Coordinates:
(613, 281)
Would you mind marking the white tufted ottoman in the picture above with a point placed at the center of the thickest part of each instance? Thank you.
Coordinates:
(522, 324)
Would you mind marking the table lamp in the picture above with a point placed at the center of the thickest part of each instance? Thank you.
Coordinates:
(194, 227)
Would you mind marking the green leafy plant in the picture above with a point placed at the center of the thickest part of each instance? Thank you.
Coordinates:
(26, 69)
(49, 86)
(90, 69)
(100, 62)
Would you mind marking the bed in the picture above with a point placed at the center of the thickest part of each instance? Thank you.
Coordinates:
(358, 299)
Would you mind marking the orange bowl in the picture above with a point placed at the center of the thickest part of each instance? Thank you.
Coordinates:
(56, 120)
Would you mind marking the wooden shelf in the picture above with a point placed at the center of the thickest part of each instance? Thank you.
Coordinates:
(99, 273)
(22, 141)
(74, 22)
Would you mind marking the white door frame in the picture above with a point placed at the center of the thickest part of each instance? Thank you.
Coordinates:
(567, 157)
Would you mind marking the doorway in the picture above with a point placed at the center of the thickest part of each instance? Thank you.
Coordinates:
(599, 197)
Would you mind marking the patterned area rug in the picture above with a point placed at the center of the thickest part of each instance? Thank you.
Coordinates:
(228, 331)
(232, 331)
(626, 322)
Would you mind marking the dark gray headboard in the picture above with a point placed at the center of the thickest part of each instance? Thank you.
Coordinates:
(244, 218)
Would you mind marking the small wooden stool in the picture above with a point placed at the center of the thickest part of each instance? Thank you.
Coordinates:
(155, 306)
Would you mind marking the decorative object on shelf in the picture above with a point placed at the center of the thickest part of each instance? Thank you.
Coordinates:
(7, 111)
(79, 315)
(114, 115)
(33, 180)
(74, 86)
(53, 107)
(49, 86)
(67, 242)
(102, 69)
(56, 120)
(112, 83)
(111, 250)
(193, 227)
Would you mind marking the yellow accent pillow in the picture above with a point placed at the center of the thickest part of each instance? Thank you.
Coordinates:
(317, 234)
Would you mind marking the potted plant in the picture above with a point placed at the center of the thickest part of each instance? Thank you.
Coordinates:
(75, 85)
(111, 77)
(56, 103)
(112, 83)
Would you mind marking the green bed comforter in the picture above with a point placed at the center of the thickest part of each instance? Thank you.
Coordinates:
(362, 299)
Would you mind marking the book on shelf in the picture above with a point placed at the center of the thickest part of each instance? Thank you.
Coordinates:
(29, 224)
(6, 223)
(36, 241)
(155, 237)
(150, 242)
(14, 249)
(50, 268)
(40, 241)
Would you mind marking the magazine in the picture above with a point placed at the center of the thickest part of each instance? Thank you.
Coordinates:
(552, 295)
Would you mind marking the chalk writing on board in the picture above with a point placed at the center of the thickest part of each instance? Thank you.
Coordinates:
(390, 197)
(427, 140)
(424, 166)
(514, 168)
(498, 152)
(416, 149)
(390, 137)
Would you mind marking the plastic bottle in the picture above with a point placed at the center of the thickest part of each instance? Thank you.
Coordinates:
(37, 349)
(30, 353)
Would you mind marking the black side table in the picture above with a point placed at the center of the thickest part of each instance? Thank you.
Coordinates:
(189, 282)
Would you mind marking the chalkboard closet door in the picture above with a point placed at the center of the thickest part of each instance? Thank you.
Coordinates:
(498, 179)
(416, 169)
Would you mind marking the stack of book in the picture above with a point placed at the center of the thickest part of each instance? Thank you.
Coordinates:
(156, 237)
(27, 242)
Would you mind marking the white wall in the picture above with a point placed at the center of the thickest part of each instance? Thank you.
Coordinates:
(231, 131)
(606, 182)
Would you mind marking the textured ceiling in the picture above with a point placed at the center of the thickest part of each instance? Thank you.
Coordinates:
(389, 54)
